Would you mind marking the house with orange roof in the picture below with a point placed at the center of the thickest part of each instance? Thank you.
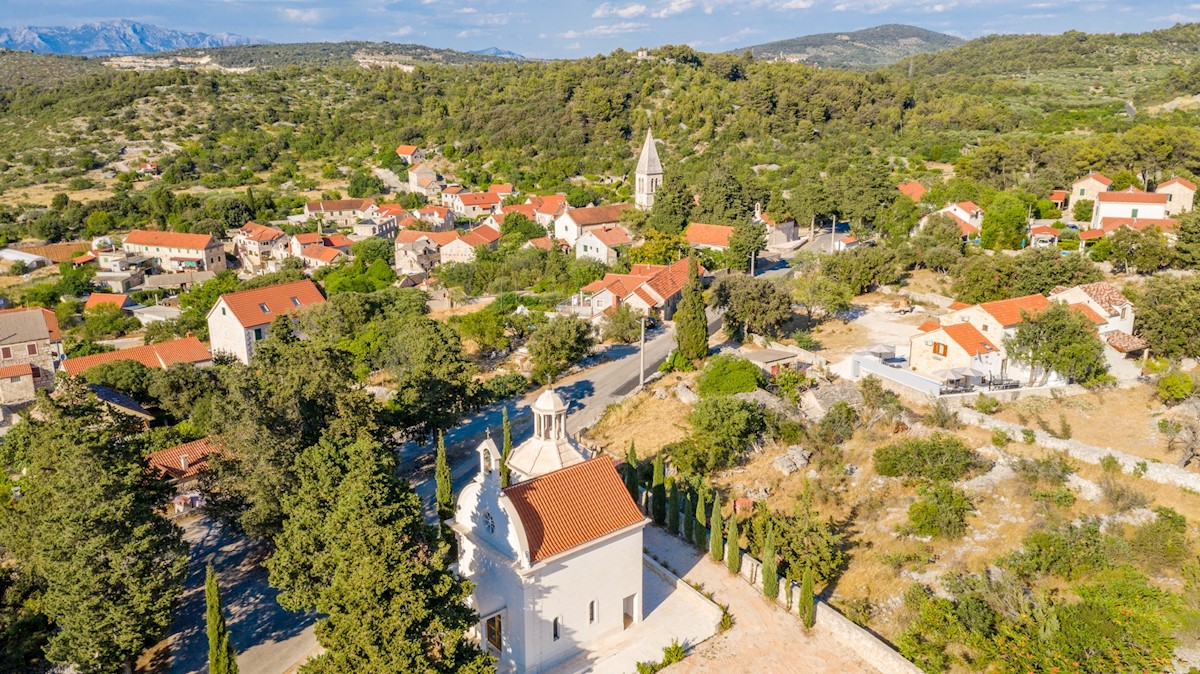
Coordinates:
(603, 243)
(653, 289)
(439, 218)
(502, 190)
(121, 302)
(239, 320)
(548, 208)
(183, 464)
(1090, 187)
(1060, 198)
(571, 224)
(340, 212)
(30, 339)
(298, 242)
(952, 345)
(708, 237)
(411, 154)
(176, 251)
(554, 559)
(1043, 236)
(782, 232)
(462, 247)
(160, 355)
(315, 256)
(259, 248)
(472, 204)
(415, 253)
(913, 190)
(1104, 300)
(966, 214)
(1181, 195)
(849, 242)
(1131, 204)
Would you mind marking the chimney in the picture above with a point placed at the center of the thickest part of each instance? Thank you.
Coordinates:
(183, 462)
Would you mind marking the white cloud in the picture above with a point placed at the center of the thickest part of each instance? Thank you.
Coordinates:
(606, 30)
(301, 15)
(465, 10)
(745, 32)
(620, 11)
(402, 31)
(674, 7)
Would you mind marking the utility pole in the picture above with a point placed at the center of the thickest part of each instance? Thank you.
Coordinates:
(642, 357)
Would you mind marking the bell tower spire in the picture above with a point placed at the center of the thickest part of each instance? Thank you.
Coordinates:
(649, 174)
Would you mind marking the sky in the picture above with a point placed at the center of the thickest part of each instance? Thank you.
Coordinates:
(572, 28)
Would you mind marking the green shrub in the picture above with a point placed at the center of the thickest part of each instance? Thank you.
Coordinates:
(837, 426)
(1068, 552)
(1028, 436)
(1122, 496)
(727, 374)
(1175, 387)
(939, 457)
(805, 340)
(986, 404)
(1054, 469)
(1060, 497)
(1000, 438)
(1163, 542)
(941, 511)
(1110, 464)
(676, 363)
(941, 416)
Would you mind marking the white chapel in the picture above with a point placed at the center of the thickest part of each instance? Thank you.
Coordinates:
(556, 558)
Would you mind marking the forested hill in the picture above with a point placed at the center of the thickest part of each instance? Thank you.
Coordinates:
(1012, 54)
(332, 54)
(869, 47)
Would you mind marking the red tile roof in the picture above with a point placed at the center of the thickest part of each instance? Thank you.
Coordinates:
(169, 463)
(391, 210)
(306, 238)
(1088, 313)
(501, 188)
(1178, 181)
(96, 299)
(337, 241)
(1110, 225)
(955, 306)
(1044, 229)
(1098, 177)
(405, 149)
(279, 299)
(1131, 197)
(21, 370)
(542, 242)
(488, 234)
(323, 253)
(256, 232)
(528, 210)
(571, 507)
(970, 207)
(1106, 295)
(1008, 312)
(929, 326)
(849, 239)
(598, 215)
(912, 189)
(83, 259)
(550, 204)
(433, 211)
(700, 234)
(160, 355)
(340, 205)
(141, 237)
(1058, 195)
(478, 199)
(1124, 342)
(611, 236)
(969, 338)
(454, 189)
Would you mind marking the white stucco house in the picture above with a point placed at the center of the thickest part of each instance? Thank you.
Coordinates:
(602, 243)
(1181, 195)
(572, 224)
(239, 320)
(556, 558)
(1127, 207)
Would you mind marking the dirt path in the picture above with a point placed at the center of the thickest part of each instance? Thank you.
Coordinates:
(764, 638)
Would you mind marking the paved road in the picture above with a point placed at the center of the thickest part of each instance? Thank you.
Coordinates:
(391, 180)
(268, 639)
(821, 243)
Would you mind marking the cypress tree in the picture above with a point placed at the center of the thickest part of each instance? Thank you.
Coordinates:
(673, 508)
(691, 323)
(222, 659)
(658, 491)
(445, 487)
(733, 549)
(631, 474)
(505, 473)
(689, 515)
(808, 606)
(770, 568)
(699, 530)
(716, 544)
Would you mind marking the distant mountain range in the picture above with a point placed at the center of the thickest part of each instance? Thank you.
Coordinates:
(496, 51)
(876, 46)
(112, 38)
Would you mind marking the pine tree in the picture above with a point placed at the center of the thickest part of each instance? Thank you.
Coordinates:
(733, 549)
(445, 487)
(808, 606)
(673, 508)
(672, 205)
(658, 491)
(222, 659)
(770, 567)
(506, 451)
(716, 544)
(689, 516)
(356, 550)
(691, 323)
(631, 474)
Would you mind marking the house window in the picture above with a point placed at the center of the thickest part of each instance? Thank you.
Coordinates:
(32, 349)
(258, 334)
(1134, 213)
(222, 311)
(984, 327)
(555, 631)
(6, 352)
(939, 349)
(1123, 310)
(592, 612)
(495, 632)
(264, 308)
(14, 380)
(1081, 191)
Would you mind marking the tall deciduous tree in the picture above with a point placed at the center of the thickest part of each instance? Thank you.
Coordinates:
(691, 322)
(222, 659)
(557, 344)
(87, 529)
(747, 240)
(752, 305)
(1187, 245)
(1168, 311)
(1004, 222)
(355, 549)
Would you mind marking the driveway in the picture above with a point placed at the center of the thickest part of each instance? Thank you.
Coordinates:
(268, 639)
(764, 637)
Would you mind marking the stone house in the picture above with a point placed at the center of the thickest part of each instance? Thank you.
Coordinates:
(30, 336)
(340, 212)
(1090, 187)
(1181, 195)
(259, 248)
